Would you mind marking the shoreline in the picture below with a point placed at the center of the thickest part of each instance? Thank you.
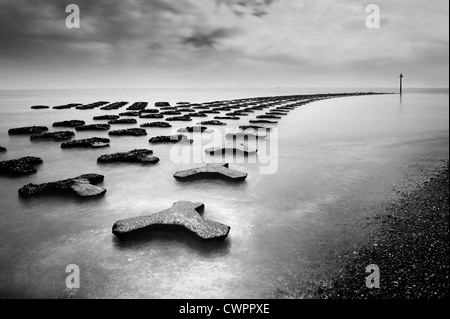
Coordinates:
(409, 243)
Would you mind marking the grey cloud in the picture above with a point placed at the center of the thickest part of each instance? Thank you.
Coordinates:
(201, 39)
(166, 36)
(257, 8)
(109, 21)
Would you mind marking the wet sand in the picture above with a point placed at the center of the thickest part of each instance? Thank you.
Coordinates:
(409, 243)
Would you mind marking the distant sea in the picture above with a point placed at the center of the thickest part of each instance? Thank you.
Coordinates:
(337, 162)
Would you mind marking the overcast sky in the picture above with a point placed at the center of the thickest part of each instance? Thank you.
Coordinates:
(223, 43)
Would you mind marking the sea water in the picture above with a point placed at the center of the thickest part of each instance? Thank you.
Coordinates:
(337, 161)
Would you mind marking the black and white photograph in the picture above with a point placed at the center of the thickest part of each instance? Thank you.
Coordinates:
(227, 155)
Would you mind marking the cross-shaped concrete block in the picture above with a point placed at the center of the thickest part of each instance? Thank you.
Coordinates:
(211, 171)
(182, 215)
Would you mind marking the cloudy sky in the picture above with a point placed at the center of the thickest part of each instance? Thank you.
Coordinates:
(223, 43)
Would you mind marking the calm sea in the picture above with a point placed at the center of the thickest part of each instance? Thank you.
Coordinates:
(337, 162)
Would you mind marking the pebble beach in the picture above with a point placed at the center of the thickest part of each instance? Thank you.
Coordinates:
(410, 244)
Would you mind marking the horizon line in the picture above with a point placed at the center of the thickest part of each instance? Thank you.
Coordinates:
(228, 87)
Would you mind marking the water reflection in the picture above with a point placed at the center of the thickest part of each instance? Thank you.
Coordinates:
(179, 238)
(213, 182)
(59, 199)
